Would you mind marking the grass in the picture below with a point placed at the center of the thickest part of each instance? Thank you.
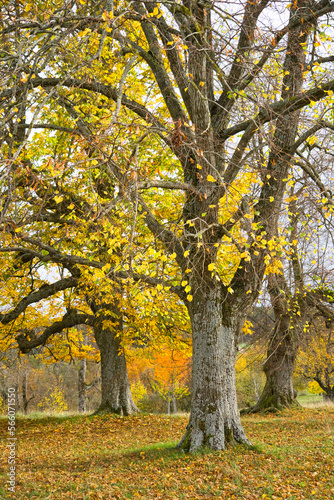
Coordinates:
(309, 400)
(110, 457)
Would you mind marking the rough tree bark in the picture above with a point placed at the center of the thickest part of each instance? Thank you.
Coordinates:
(214, 419)
(115, 385)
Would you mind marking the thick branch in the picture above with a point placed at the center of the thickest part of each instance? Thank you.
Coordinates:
(27, 341)
(247, 29)
(281, 108)
(177, 185)
(44, 292)
(100, 88)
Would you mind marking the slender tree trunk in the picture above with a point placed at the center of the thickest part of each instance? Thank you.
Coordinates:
(18, 403)
(174, 403)
(24, 392)
(82, 387)
(25, 400)
(168, 406)
(115, 387)
(214, 419)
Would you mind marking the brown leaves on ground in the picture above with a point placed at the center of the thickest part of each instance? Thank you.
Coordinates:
(111, 458)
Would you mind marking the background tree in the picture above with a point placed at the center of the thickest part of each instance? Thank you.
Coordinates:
(315, 360)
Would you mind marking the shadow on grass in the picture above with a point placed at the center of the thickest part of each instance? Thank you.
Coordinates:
(169, 450)
(166, 450)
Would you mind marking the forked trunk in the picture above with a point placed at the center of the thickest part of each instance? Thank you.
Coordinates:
(214, 420)
(115, 387)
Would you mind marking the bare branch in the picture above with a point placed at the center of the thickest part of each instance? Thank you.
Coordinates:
(167, 185)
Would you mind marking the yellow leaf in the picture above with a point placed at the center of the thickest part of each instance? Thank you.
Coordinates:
(58, 199)
(271, 199)
(210, 178)
(186, 253)
(184, 283)
(189, 298)
(211, 266)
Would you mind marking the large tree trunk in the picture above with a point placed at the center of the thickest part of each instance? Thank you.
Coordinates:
(214, 419)
(115, 387)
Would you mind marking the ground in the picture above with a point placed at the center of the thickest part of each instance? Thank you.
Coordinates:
(107, 457)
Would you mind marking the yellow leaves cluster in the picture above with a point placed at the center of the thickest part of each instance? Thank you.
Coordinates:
(55, 402)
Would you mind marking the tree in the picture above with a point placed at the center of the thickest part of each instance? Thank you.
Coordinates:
(315, 360)
(300, 292)
(186, 55)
